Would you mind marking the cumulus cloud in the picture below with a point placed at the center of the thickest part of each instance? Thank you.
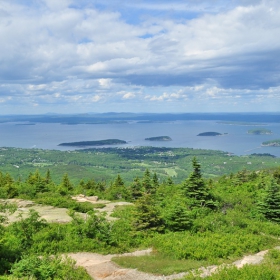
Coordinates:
(91, 52)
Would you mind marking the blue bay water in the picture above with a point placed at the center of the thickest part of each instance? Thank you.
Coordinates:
(183, 134)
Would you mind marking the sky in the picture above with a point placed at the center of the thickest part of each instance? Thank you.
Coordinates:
(179, 56)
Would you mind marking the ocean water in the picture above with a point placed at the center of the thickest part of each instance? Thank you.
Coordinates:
(183, 134)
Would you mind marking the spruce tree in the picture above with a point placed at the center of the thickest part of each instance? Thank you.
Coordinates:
(136, 189)
(147, 182)
(118, 190)
(178, 217)
(147, 216)
(196, 190)
(270, 205)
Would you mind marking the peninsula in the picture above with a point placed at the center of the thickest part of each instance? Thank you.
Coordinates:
(94, 143)
(261, 131)
(159, 138)
(210, 133)
(271, 143)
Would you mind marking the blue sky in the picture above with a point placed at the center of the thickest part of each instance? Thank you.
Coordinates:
(77, 56)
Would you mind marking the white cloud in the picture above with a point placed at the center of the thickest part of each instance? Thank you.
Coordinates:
(52, 52)
(96, 98)
(128, 95)
(105, 83)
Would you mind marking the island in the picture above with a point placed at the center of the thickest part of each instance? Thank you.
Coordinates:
(259, 131)
(210, 133)
(271, 143)
(94, 143)
(159, 138)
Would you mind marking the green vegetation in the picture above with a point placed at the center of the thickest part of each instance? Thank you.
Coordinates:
(48, 267)
(272, 143)
(209, 134)
(159, 264)
(268, 270)
(159, 138)
(105, 164)
(259, 131)
(94, 143)
(200, 220)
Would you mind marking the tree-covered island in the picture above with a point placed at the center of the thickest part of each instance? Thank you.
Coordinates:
(94, 143)
(261, 131)
(159, 138)
(210, 133)
(272, 143)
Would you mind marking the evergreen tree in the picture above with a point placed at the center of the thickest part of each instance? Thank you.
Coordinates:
(177, 218)
(270, 204)
(276, 175)
(195, 188)
(169, 182)
(66, 183)
(65, 186)
(155, 180)
(48, 178)
(150, 184)
(136, 189)
(8, 189)
(37, 181)
(147, 182)
(118, 190)
(147, 215)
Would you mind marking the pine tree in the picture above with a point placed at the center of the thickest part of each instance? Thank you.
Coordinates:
(48, 178)
(147, 215)
(136, 189)
(147, 182)
(38, 182)
(155, 180)
(195, 188)
(169, 182)
(178, 218)
(118, 190)
(66, 183)
(270, 205)
(65, 186)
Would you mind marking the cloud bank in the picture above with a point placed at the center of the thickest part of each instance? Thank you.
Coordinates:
(181, 56)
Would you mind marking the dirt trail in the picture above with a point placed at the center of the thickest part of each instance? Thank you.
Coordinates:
(101, 267)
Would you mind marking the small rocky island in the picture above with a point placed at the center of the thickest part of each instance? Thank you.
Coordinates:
(94, 143)
(159, 138)
(261, 131)
(210, 133)
(271, 143)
